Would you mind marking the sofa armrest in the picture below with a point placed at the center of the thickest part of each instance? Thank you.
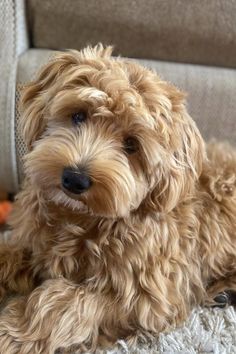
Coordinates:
(13, 41)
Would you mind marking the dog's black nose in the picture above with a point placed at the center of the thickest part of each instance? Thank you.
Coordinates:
(75, 181)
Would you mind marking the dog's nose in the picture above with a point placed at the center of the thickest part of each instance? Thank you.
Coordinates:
(75, 181)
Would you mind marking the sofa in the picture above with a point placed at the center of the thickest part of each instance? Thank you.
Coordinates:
(190, 43)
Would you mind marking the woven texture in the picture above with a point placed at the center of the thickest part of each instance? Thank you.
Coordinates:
(199, 31)
(13, 41)
(28, 65)
(206, 331)
(7, 74)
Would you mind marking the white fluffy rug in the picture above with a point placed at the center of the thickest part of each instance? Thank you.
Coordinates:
(206, 331)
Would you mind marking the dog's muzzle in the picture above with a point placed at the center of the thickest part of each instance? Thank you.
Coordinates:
(75, 181)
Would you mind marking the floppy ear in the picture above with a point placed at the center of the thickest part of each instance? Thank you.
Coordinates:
(35, 96)
(37, 93)
(183, 153)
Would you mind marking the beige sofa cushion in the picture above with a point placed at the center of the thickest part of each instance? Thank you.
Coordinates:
(199, 31)
(211, 94)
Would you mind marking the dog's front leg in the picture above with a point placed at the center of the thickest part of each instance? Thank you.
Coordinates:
(56, 314)
(15, 273)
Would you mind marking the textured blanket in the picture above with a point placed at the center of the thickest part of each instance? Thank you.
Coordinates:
(206, 331)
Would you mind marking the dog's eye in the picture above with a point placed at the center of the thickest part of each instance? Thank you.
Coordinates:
(130, 145)
(78, 117)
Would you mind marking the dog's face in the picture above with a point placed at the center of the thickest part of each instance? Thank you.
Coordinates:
(108, 135)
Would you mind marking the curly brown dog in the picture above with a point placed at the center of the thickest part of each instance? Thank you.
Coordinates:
(124, 222)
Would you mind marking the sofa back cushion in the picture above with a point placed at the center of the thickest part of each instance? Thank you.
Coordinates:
(199, 31)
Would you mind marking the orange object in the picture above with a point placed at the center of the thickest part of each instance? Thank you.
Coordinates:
(5, 209)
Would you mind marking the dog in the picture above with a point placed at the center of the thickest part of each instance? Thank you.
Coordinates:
(126, 219)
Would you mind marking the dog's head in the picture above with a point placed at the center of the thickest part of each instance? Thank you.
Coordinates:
(109, 134)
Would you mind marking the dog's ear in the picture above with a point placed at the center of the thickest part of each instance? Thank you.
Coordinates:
(183, 152)
(35, 96)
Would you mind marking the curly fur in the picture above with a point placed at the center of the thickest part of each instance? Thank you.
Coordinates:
(153, 236)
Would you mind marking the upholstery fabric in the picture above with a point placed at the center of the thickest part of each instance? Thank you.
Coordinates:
(199, 31)
(13, 40)
(28, 65)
